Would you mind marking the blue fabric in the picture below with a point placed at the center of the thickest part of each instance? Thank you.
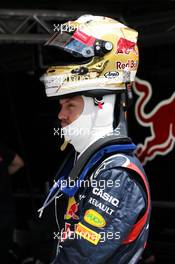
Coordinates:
(95, 158)
(64, 174)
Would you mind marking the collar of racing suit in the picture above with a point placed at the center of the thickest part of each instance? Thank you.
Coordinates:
(107, 145)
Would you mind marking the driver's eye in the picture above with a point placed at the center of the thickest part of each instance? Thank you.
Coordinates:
(71, 105)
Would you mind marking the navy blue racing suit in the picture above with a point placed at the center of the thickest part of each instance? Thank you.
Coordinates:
(107, 221)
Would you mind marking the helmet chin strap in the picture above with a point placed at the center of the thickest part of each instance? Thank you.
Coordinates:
(64, 145)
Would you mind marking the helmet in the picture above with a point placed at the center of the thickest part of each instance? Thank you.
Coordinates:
(109, 52)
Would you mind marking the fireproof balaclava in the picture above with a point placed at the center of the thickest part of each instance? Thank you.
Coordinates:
(92, 124)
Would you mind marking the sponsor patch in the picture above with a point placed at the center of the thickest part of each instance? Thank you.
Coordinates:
(87, 234)
(94, 218)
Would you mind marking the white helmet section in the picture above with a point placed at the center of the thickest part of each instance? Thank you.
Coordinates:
(92, 124)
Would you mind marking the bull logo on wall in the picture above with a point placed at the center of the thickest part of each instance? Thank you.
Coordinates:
(161, 121)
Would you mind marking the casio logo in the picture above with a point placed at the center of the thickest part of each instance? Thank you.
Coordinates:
(106, 196)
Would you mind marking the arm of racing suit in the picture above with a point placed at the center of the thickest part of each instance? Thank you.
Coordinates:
(119, 201)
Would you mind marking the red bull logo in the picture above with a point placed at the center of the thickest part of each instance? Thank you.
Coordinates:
(161, 121)
(125, 46)
(72, 209)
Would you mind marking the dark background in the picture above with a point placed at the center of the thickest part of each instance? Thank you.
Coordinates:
(28, 118)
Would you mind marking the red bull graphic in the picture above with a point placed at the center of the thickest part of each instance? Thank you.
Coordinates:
(161, 121)
(66, 232)
(72, 209)
(126, 46)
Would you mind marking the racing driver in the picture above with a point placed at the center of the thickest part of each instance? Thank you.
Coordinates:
(108, 211)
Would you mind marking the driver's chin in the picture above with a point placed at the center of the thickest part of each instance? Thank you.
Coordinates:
(64, 124)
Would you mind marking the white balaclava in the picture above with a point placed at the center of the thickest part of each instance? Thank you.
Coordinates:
(92, 124)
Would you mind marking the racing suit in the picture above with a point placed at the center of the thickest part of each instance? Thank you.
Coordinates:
(107, 221)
